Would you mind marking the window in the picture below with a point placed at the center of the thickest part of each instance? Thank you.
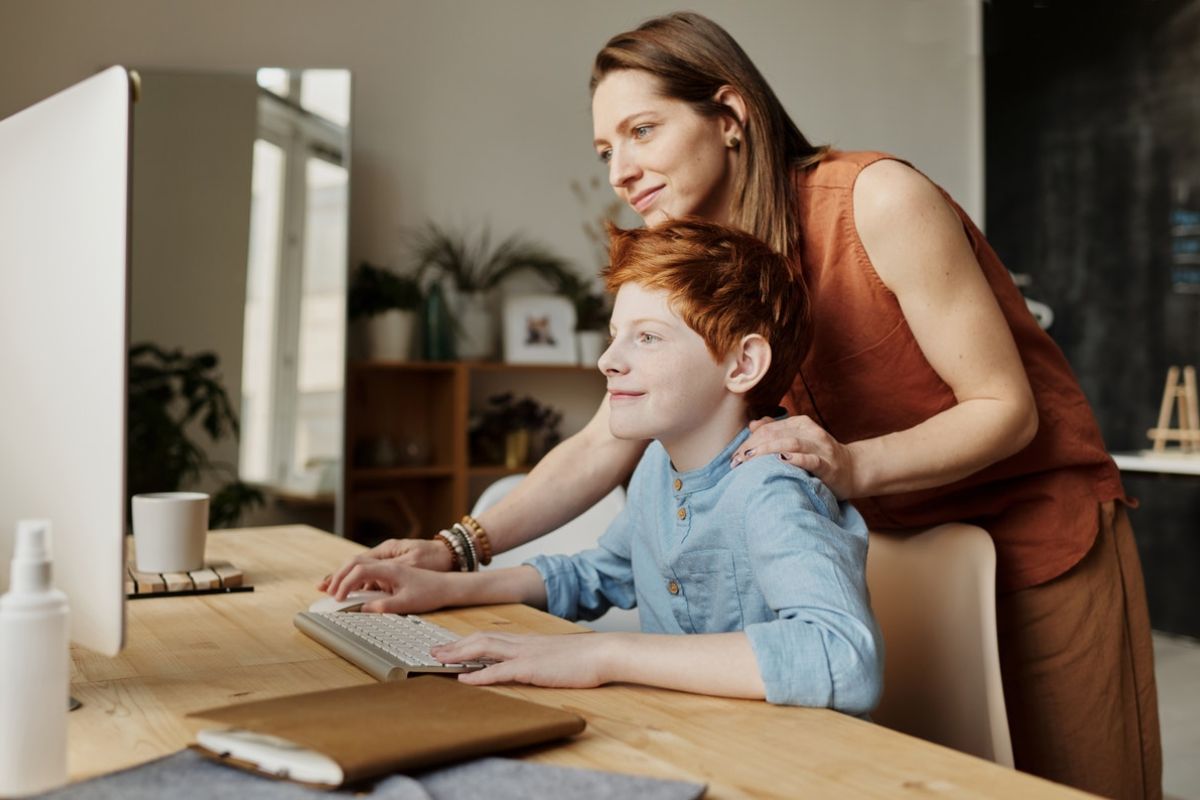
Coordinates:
(296, 287)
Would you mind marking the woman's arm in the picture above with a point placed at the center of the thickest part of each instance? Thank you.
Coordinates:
(569, 480)
(414, 590)
(717, 663)
(921, 253)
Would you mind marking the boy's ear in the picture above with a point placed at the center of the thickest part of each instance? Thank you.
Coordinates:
(749, 362)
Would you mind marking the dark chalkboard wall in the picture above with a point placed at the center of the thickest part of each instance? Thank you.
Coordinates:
(1093, 148)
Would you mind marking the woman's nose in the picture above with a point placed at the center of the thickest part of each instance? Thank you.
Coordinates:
(621, 169)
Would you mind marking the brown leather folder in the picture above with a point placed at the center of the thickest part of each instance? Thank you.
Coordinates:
(378, 729)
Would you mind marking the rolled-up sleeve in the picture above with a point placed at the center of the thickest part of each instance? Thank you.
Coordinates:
(808, 554)
(585, 585)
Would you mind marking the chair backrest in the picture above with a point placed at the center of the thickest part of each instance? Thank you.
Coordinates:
(579, 534)
(934, 595)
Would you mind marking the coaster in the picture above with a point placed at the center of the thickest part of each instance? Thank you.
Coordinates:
(217, 577)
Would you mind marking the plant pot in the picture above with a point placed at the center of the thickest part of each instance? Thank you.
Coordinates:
(476, 334)
(388, 335)
(516, 448)
(589, 346)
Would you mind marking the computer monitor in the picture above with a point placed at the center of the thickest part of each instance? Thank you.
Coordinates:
(64, 273)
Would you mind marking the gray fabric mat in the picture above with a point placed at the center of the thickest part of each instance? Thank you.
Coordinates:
(186, 775)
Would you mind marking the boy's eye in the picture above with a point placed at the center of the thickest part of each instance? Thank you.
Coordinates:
(605, 156)
(647, 338)
(641, 131)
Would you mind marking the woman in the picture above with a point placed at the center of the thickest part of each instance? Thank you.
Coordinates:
(929, 394)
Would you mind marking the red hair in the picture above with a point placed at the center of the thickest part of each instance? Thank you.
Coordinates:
(725, 285)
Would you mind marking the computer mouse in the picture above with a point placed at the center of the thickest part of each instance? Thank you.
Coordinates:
(353, 602)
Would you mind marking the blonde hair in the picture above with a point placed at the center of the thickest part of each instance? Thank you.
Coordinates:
(692, 57)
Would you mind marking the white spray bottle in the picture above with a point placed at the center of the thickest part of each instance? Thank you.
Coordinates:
(35, 672)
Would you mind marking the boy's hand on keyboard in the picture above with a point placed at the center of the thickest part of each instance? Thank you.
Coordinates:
(576, 661)
(422, 553)
(412, 590)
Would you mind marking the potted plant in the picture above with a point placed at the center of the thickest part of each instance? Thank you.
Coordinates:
(513, 431)
(474, 267)
(172, 398)
(382, 307)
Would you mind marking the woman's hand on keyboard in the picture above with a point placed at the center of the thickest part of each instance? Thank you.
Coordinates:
(570, 661)
(412, 589)
(423, 553)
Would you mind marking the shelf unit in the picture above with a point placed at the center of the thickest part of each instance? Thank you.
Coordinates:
(426, 406)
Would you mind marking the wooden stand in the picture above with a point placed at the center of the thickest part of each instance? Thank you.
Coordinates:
(1181, 395)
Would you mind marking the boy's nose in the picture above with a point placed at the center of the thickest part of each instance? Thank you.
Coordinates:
(609, 363)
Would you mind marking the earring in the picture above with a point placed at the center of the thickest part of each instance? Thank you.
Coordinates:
(734, 142)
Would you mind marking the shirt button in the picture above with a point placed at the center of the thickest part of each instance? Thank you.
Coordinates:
(683, 513)
(678, 484)
(673, 587)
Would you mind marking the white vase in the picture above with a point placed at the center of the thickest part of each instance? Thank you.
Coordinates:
(388, 335)
(476, 327)
(590, 346)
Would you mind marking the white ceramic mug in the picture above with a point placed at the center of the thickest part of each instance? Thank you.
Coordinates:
(169, 529)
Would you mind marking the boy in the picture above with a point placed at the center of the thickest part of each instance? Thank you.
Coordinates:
(761, 562)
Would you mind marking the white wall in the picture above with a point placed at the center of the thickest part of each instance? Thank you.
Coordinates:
(475, 110)
(193, 140)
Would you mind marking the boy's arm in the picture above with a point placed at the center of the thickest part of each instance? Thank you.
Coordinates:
(714, 663)
(808, 553)
(587, 584)
(579, 586)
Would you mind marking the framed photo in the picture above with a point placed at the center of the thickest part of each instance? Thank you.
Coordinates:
(539, 329)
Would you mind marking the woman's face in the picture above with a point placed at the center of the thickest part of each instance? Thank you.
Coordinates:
(664, 160)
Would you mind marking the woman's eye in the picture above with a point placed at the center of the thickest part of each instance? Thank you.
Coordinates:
(605, 156)
(647, 338)
(641, 131)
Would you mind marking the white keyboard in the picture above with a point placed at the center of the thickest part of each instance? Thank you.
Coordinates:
(387, 647)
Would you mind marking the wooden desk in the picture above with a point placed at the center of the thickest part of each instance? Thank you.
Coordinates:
(188, 653)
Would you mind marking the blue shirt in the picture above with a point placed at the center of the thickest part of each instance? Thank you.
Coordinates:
(765, 548)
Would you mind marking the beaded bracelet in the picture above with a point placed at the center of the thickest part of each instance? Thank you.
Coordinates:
(485, 545)
(457, 555)
(469, 544)
(450, 547)
(463, 548)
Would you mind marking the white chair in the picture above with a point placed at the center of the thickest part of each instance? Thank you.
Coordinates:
(579, 534)
(934, 595)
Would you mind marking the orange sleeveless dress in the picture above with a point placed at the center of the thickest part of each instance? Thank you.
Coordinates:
(865, 376)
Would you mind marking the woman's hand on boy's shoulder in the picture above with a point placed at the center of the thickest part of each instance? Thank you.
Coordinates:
(803, 443)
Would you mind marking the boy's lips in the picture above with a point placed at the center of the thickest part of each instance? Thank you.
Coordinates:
(642, 200)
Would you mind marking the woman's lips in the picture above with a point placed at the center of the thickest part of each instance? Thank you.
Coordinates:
(645, 199)
(615, 395)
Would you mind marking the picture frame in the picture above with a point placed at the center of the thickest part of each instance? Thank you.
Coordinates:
(539, 329)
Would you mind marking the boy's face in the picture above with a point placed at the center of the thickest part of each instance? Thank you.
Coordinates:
(662, 381)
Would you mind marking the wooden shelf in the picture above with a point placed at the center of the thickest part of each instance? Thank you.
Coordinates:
(430, 402)
(388, 365)
(383, 365)
(497, 470)
(499, 366)
(400, 473)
